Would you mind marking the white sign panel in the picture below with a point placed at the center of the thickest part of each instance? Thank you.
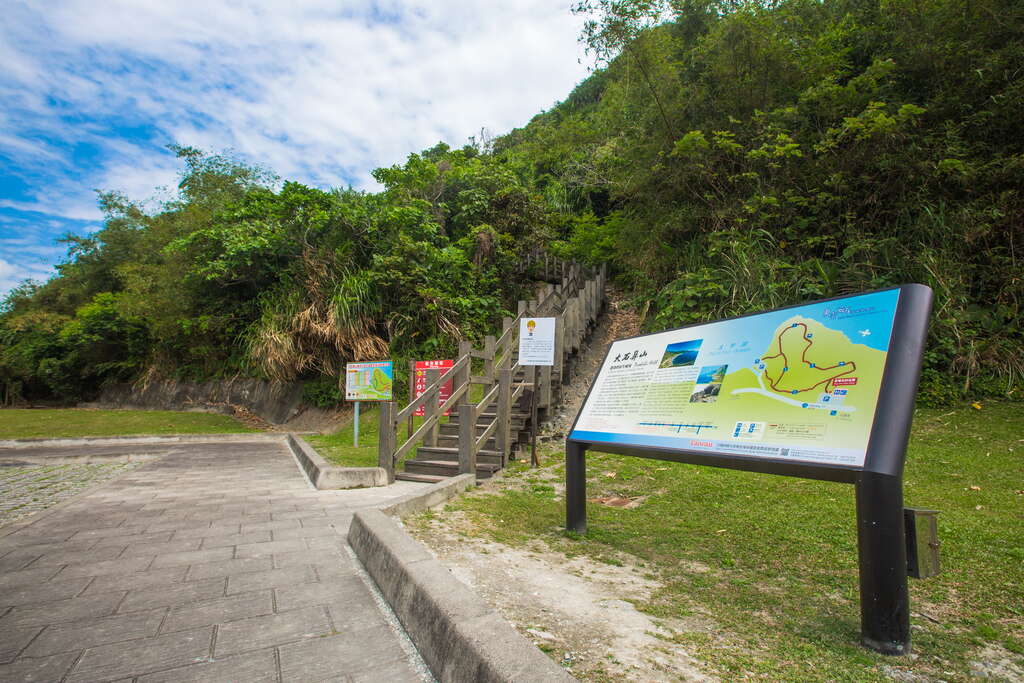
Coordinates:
(537, 341)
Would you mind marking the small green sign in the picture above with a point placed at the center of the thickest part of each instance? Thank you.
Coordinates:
(369, 381)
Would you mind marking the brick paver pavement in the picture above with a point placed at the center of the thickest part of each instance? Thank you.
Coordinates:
(27, 489)
(217, 562)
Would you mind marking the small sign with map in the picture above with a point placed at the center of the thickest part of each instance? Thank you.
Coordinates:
(368, 381)
(797, 384)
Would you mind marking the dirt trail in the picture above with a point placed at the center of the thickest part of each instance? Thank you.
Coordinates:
(618, 321)
(576, 609)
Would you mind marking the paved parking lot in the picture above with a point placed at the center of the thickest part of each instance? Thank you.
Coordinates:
(216, 562)
(27, 489)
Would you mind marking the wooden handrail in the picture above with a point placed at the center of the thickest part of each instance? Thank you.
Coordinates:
(486, 402)
(453, 399)
(421, 400)
(427, 425)
(488, 433)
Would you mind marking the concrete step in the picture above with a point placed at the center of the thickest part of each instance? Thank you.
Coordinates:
(447, 468)
(424, 478)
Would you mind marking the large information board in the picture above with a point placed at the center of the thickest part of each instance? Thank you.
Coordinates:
(823, 390)
(799, 384)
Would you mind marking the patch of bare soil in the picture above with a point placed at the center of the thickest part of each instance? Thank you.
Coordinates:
(322, 420)
(577, 610)
(996, 663)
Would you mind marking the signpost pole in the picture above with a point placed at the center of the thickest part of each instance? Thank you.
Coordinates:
(884, 600)
(575, 487)
(534, 462)
(355, 433)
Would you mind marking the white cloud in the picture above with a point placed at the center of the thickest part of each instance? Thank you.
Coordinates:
(13, 274)
(317, 91)
(314, 93)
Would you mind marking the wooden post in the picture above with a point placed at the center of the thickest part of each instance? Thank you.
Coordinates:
(489, 361)
(560, 350)
(465, 348)
(412, 395)
(386, 439)
(534, 460)
(504, 414)
(467, 439)
(430, 408)
(521, 307)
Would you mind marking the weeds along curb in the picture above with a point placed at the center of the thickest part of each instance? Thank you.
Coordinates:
(458, 635)
(324, 475)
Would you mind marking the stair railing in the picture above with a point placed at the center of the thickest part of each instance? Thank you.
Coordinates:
(575, 302)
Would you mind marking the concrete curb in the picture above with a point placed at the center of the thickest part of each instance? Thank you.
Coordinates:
(435, 495)
(29, 459)
(458, 635)
(138, 440)
(324, 475)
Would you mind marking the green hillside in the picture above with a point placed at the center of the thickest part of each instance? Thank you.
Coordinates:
(723, 157)
(731, 156)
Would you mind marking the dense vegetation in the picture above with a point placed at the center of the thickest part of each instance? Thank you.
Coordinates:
(724, 157)
(241, 274)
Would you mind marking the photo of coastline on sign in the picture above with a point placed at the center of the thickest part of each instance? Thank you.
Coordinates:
(709, 384)
(681, 354)
(800, 383)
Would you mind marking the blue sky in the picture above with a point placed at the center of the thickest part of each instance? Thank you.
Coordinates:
(318, 91)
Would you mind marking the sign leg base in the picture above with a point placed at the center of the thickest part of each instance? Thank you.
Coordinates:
(884, 598)
(575, 488)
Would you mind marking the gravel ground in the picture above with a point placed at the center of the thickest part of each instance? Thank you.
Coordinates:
(27, 489)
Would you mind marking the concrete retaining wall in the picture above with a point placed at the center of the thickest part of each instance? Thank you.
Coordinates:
(274, 402)
(459, 636)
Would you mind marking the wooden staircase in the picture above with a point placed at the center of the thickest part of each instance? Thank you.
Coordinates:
(434, 463)
(482, 437)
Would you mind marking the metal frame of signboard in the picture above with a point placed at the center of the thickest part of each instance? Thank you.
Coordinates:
(885, 609)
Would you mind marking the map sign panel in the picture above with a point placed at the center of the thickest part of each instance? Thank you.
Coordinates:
(798, 384)
(368, 381)
(420, 382)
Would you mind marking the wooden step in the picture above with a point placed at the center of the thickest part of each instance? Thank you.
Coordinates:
(485, 422)
(451, 454)
(488, 417)
(452, 441)
(447, 468)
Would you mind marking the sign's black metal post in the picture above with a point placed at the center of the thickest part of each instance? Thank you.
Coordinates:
(884, 600)
(881, 539)
(575, 487)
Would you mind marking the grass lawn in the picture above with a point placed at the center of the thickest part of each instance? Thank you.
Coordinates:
(770, 563)
(338, 448)
(73, 422)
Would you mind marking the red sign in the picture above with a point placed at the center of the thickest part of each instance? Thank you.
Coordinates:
(420, 381)
(844, 381)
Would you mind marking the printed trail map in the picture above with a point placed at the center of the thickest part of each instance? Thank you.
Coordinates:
(800, 383)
